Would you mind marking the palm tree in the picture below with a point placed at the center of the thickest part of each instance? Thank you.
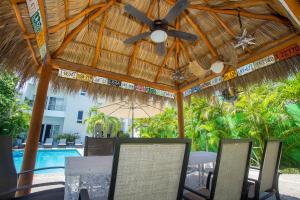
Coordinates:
(111, 125)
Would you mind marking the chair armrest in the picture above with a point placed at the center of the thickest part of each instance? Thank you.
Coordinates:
(195, 192)
(31, 186)
(84, 195)
(209, 179)
(39, 169)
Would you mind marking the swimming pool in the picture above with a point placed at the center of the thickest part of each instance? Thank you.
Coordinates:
(46, 158)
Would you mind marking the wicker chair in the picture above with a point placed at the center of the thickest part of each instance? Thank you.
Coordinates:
(229, 180)
(98, 146)
(9, 177)
(148, 169)
(267, 183)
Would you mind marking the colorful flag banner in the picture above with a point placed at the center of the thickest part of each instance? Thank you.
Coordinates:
(128, 86)
(67, 73)
(245, 69)
(229, 75)
(288, 52)
(269, 60)
(37, 25)
(216, 80)
(84, 77)
(100, 80)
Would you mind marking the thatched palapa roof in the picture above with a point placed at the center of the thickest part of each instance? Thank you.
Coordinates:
(87, 36)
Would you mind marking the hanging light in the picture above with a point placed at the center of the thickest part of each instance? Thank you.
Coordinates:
(217, 67)
(158, 36)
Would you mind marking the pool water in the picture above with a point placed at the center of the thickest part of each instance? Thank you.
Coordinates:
(46, 158)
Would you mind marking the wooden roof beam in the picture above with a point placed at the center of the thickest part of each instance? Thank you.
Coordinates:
(244, 3)
(99, 40)
(202, 35)
(274, 47)
(23, 28)
(269, 17)
(137, 44)
(76, 17)
(165, 61)
(84, 23)
(59, 63)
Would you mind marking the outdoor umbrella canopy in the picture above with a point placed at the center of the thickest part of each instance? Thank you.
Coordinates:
(131, 109)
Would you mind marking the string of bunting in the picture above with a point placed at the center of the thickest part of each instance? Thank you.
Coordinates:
(106, 81)
(283, 54)
(37, 24)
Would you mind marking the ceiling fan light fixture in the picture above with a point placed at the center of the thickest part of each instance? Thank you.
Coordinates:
(217, 67)
(158, 36)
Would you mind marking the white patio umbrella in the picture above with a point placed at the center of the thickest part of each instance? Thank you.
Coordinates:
(131, 109)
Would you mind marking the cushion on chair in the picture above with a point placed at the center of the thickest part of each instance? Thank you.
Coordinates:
(194, 196)
(52, 194)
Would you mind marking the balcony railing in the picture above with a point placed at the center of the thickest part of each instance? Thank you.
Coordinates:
(56, 107)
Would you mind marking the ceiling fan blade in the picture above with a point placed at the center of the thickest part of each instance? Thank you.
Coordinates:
(161, 49)
(176, 10)
(134, 39)
(139, 15)
(182, 35)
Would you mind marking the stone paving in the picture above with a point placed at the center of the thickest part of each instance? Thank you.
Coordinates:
(289, 184)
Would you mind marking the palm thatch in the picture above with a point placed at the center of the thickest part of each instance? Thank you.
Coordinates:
(101, 27)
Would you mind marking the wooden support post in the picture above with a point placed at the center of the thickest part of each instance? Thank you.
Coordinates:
(179, 100)
(34, 129)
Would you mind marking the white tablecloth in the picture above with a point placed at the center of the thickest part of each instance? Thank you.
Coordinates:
(94, 172)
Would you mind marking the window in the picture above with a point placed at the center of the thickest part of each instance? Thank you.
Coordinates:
(56, 104)
(80, 116)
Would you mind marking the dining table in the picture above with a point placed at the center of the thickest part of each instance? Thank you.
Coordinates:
(93, 173)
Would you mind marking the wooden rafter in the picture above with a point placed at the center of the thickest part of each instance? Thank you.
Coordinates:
(84, 23)
(165, 61)
(137, 44)
(202, 35)
(99, 40)
(70, 20)
(244, 3)
(66, 15)
(243, 13)
(123, 54)
(256, 55)
(58, 63)
(23, 28)
(177, 26)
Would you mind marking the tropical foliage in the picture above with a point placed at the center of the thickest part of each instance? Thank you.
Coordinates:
(68, 136)
(109, 124)
(14, 116)
(265, 111)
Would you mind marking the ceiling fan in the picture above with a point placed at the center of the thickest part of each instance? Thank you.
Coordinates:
(159, 31)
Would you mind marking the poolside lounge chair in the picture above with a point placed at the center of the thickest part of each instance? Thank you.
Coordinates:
(62, 143)
(267, 183)
(98, 146)
(78, 143)
(48, 143)
(146, 169)
(9, 177)
(230, 176)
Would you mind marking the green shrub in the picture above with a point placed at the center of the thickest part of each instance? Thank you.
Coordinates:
(68, 136)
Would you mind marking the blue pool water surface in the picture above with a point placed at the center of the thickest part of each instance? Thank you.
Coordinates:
(46, 158)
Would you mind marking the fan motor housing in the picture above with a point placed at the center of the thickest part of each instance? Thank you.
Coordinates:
(160, 25)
